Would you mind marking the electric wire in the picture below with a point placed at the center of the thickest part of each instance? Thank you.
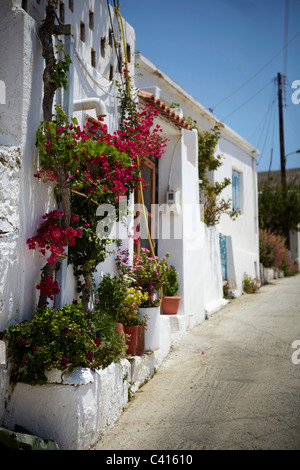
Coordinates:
(286, 34)
(258, 72)
(114, 36)
(273, 135)
(247, 101)
(268, 123)
(272, 97)
(83, 65)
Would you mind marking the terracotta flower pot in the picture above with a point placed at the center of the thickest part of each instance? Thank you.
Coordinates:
(132, 341)
(140, 349)
(170, 305)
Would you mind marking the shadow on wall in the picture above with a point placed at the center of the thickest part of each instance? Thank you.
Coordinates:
(231, 271)
(36, 198)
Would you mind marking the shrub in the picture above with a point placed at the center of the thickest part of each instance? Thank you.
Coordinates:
(171, 284)
(110, 296)
(227, 294)
(251, 285)
(119, 301)
(274, 253)
(62, 339)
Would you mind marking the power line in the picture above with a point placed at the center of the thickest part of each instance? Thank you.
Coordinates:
(271, 156)
(267, 132)
(258, 72)
(247, 101)
(271, 102)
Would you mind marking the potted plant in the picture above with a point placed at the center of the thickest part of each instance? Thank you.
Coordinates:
(170, 301)
(110, 295)
(146, 273)
(116, 298)
(134, 326)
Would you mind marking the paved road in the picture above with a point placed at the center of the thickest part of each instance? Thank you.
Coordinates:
(230, 383)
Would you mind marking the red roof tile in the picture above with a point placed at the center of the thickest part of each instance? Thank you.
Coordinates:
(166, 111)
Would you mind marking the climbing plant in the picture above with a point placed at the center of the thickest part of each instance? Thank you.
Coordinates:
(89, 167)
(214, 204)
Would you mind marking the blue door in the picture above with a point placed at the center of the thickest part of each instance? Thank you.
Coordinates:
(223, 253)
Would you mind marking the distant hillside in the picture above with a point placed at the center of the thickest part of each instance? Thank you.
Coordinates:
(292, 176)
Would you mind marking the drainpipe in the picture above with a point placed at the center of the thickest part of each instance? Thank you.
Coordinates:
(91, 103)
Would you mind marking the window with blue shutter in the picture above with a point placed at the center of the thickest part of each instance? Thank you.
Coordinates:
(235, 190)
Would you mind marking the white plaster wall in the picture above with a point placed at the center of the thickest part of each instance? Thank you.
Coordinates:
(295, 245)
(92, 81)
(212, 275)
(21, 69)
(75, 411)
(243, 252)
(193, 248)
(23, 198)
(243, 246)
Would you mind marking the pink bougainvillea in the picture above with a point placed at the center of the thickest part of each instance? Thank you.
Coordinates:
(97, 165)
(48, 287)
(52, 236)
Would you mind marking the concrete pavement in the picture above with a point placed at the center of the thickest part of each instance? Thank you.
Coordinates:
(230, 383)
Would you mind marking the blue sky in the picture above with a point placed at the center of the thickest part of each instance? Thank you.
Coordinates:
(221, 51)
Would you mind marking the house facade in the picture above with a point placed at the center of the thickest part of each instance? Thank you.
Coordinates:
(238, 238)
(90, 31)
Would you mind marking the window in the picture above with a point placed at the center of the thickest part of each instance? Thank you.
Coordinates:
(102, 46)
(111, 72)
(128, 52)
(91, 20)
(236, 183)
(110, 37)
(120, 63)
(82, 31)
(93, 57)
(62, 12)
(148, 173)
(71, 5)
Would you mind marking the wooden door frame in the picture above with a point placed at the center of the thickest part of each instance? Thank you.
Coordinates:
(137, 200)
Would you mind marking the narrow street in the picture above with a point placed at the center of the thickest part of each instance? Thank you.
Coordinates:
(229, 384)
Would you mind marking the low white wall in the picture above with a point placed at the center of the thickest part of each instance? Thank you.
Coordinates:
(75, 409)
(267, 274)
(74, 412)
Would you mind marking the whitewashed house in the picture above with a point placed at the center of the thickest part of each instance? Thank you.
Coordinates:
(92, 37)
(238, 238)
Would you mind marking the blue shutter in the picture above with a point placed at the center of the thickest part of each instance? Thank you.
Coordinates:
(235, 190)
(223, 253)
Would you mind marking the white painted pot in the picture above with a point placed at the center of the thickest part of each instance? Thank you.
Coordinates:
(152, 330)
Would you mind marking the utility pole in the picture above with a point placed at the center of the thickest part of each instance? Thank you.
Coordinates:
(281, 132)
(282, 154)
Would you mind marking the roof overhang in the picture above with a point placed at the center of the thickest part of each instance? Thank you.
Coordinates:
(199, 108)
